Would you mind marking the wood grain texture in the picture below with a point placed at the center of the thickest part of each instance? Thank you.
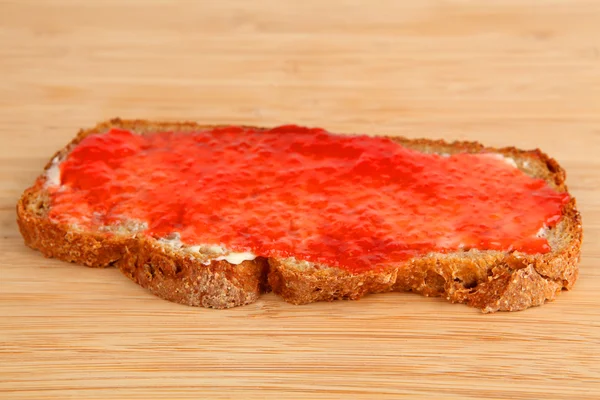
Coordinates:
(506, 72)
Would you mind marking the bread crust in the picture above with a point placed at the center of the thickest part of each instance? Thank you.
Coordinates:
(488, 280)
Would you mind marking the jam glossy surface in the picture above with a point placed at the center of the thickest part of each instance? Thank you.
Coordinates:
(355, 202)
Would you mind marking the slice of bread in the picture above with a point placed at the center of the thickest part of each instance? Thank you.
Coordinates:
(215, 277)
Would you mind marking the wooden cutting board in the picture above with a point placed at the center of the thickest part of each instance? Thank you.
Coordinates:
(507, 72)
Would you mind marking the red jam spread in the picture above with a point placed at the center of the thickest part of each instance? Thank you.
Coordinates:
(355, 202)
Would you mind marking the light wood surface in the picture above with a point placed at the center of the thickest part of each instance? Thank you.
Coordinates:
(523, 73)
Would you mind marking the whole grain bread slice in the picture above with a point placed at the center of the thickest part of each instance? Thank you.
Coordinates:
(488, 280)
